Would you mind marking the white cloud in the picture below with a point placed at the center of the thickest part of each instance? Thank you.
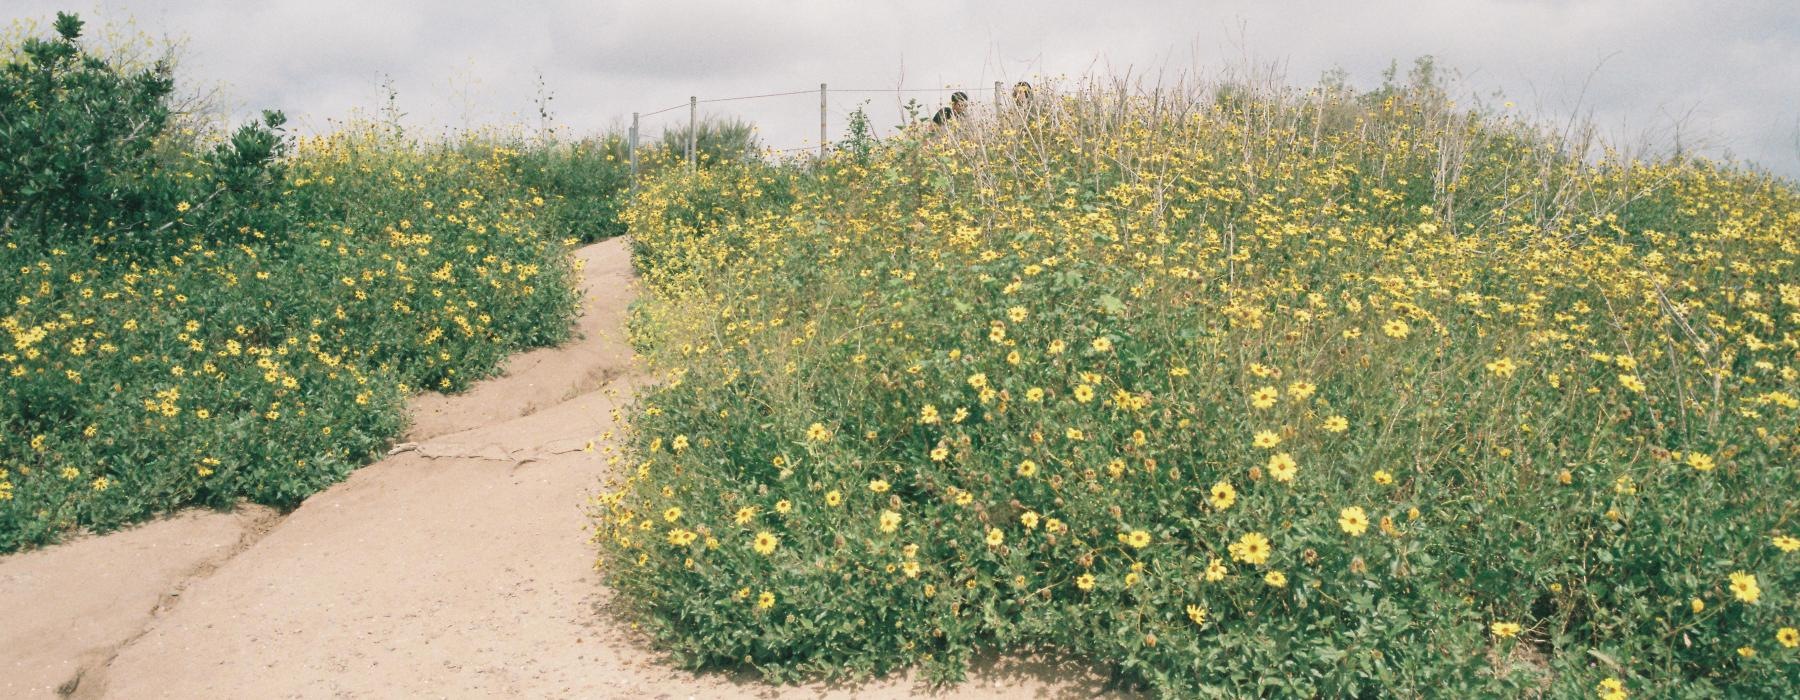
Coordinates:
(1637, 65)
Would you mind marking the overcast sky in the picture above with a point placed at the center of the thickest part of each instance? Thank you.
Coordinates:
(1728, 70)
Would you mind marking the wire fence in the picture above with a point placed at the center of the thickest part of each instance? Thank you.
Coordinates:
(824, 92)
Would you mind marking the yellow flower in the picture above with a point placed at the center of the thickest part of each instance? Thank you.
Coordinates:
(1282, 467)
(1102, 344)
(1612, 689)
(1197, 613)
(1085, 582)
(783, 506)
(1353, 521)
(1697, 605)
(1301, 390)
(1252, 548)
(1700, 462)
(1746, 651)
(995, 537)
(878, 485)
(1786, 543)
(1264, 397)
(890, 521)
(910, 569)
(672, 514)
(766, 600)
(1744, 586)
(1084, 393)
(1029, 519)
(1502, 367)
(765, 543)
(1396, 329)
(1335, 424)
(1275, 578)
(1632, 383)
(1223, 495)
(1504, 630)
(1788, 636)
(928, 414)
(1215, 570)
(1138, 539)
(1266, 439)
(1017, 314)
(978, 381)
(817, 433)
(833, 498)
(1383, 477)
(1028, 469)
(745, 515)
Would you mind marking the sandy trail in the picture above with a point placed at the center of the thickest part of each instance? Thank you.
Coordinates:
(457, 567)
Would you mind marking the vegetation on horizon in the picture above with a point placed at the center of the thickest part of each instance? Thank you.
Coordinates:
(1241, 390)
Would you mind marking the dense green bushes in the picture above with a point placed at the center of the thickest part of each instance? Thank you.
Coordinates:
(1280, 393)
(587, 180)
(197, 321)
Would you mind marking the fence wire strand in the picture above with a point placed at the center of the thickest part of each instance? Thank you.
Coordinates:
(752, 97)
(711, 100)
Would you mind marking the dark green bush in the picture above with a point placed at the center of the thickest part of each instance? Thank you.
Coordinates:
(88, 153)
(587, 179)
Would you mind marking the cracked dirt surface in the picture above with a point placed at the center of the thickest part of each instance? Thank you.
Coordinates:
(456, 567)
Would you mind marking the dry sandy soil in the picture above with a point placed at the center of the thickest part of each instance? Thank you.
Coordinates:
(457, 567)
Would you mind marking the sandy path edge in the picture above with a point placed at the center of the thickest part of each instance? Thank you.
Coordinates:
(456, 567)
(70, 609)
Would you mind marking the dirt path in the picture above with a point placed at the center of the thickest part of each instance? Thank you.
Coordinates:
(456, 567)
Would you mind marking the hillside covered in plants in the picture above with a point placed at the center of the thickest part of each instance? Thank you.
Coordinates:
(1229, 390)
(191, 316)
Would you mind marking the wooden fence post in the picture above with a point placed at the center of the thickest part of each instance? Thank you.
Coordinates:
(821, 120)
(997, 102)
(631, 148)
(693, 115)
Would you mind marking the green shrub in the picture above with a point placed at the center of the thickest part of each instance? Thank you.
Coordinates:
(716, 140)
(87, 154)
(588, 180)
